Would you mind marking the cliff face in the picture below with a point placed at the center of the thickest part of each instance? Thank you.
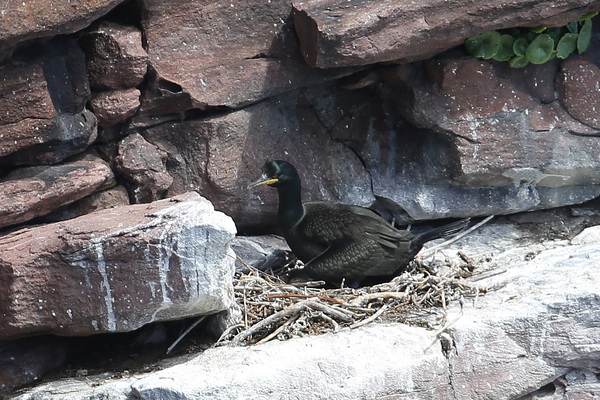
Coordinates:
(111, 105)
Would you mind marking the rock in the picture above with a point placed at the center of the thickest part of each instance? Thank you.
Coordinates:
(143, 165)
(507, 151)
(115, 57)
(45, 121)
(267, 253)
(573, 85)
(117, 269)
(114, 106)
(534, 330)
(338, 33)
(27, 360)
(63, 62)
(220, 156)
(31, 192)
(45, 18)
(109, 198)
(533, 333)
(222, 53)
(28, 97)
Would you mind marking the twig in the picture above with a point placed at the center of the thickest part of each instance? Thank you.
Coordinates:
(486, 275)
(278, 330)
(185, 333)
(271, 319)
(380, 295)
(457, 237)
(371, 318)
(303, 296)
(334, 312)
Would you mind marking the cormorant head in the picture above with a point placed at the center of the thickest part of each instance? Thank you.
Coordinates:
(277, 173)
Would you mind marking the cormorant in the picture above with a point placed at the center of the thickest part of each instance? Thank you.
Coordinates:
(340, 242)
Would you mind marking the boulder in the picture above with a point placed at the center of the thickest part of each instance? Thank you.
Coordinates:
(533, 334)
(44, 18)
(115, 270)
(222, 53)
(114, 56)
(338, 33)
(114, 106)
(31, 192)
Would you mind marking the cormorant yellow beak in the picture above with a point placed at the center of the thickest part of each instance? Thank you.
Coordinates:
(263, 181)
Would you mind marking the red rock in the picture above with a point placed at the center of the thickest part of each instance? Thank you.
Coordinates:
(44, 18)
(143, 165)
(31, 192)
(115, 56)
(109, 198)
(25, 95)
(223, 53)
(578, 87)
(114, 106)
(338, 33)
(115, 270)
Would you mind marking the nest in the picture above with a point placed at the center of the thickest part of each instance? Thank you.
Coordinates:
(272, 309)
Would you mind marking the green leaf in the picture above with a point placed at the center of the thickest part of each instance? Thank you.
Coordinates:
(539, 29)
(556, 33)
(485, 45)
(505, 52)
(573, 27)
(518, 62)
(540, 50)
(588, 16)
(520, 46)
(585, 36)
(566, 45)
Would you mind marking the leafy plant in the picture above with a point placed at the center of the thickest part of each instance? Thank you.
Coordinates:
(520, 47)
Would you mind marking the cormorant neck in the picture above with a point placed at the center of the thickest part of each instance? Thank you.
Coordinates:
(290, 205)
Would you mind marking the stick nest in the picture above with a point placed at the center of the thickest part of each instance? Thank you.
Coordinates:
(272, 309)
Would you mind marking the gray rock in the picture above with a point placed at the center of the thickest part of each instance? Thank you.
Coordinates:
(534, 330)
(265, 253)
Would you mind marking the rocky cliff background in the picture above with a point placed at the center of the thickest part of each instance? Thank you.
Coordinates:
(113, 112)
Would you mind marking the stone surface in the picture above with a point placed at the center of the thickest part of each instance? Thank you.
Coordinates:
(223, 53)
(143, 165)
(485, 145)
(534, 333)
(45, 121)
(337, 33)
(220, 156)
(115, 270)
(109, 198)
(22, 21)
(266, 253)
(31, 192)
(27, 360)
(575, 85)
(115, 57)
(114, 106)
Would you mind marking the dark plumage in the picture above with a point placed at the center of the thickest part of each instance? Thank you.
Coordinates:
(339, 241)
